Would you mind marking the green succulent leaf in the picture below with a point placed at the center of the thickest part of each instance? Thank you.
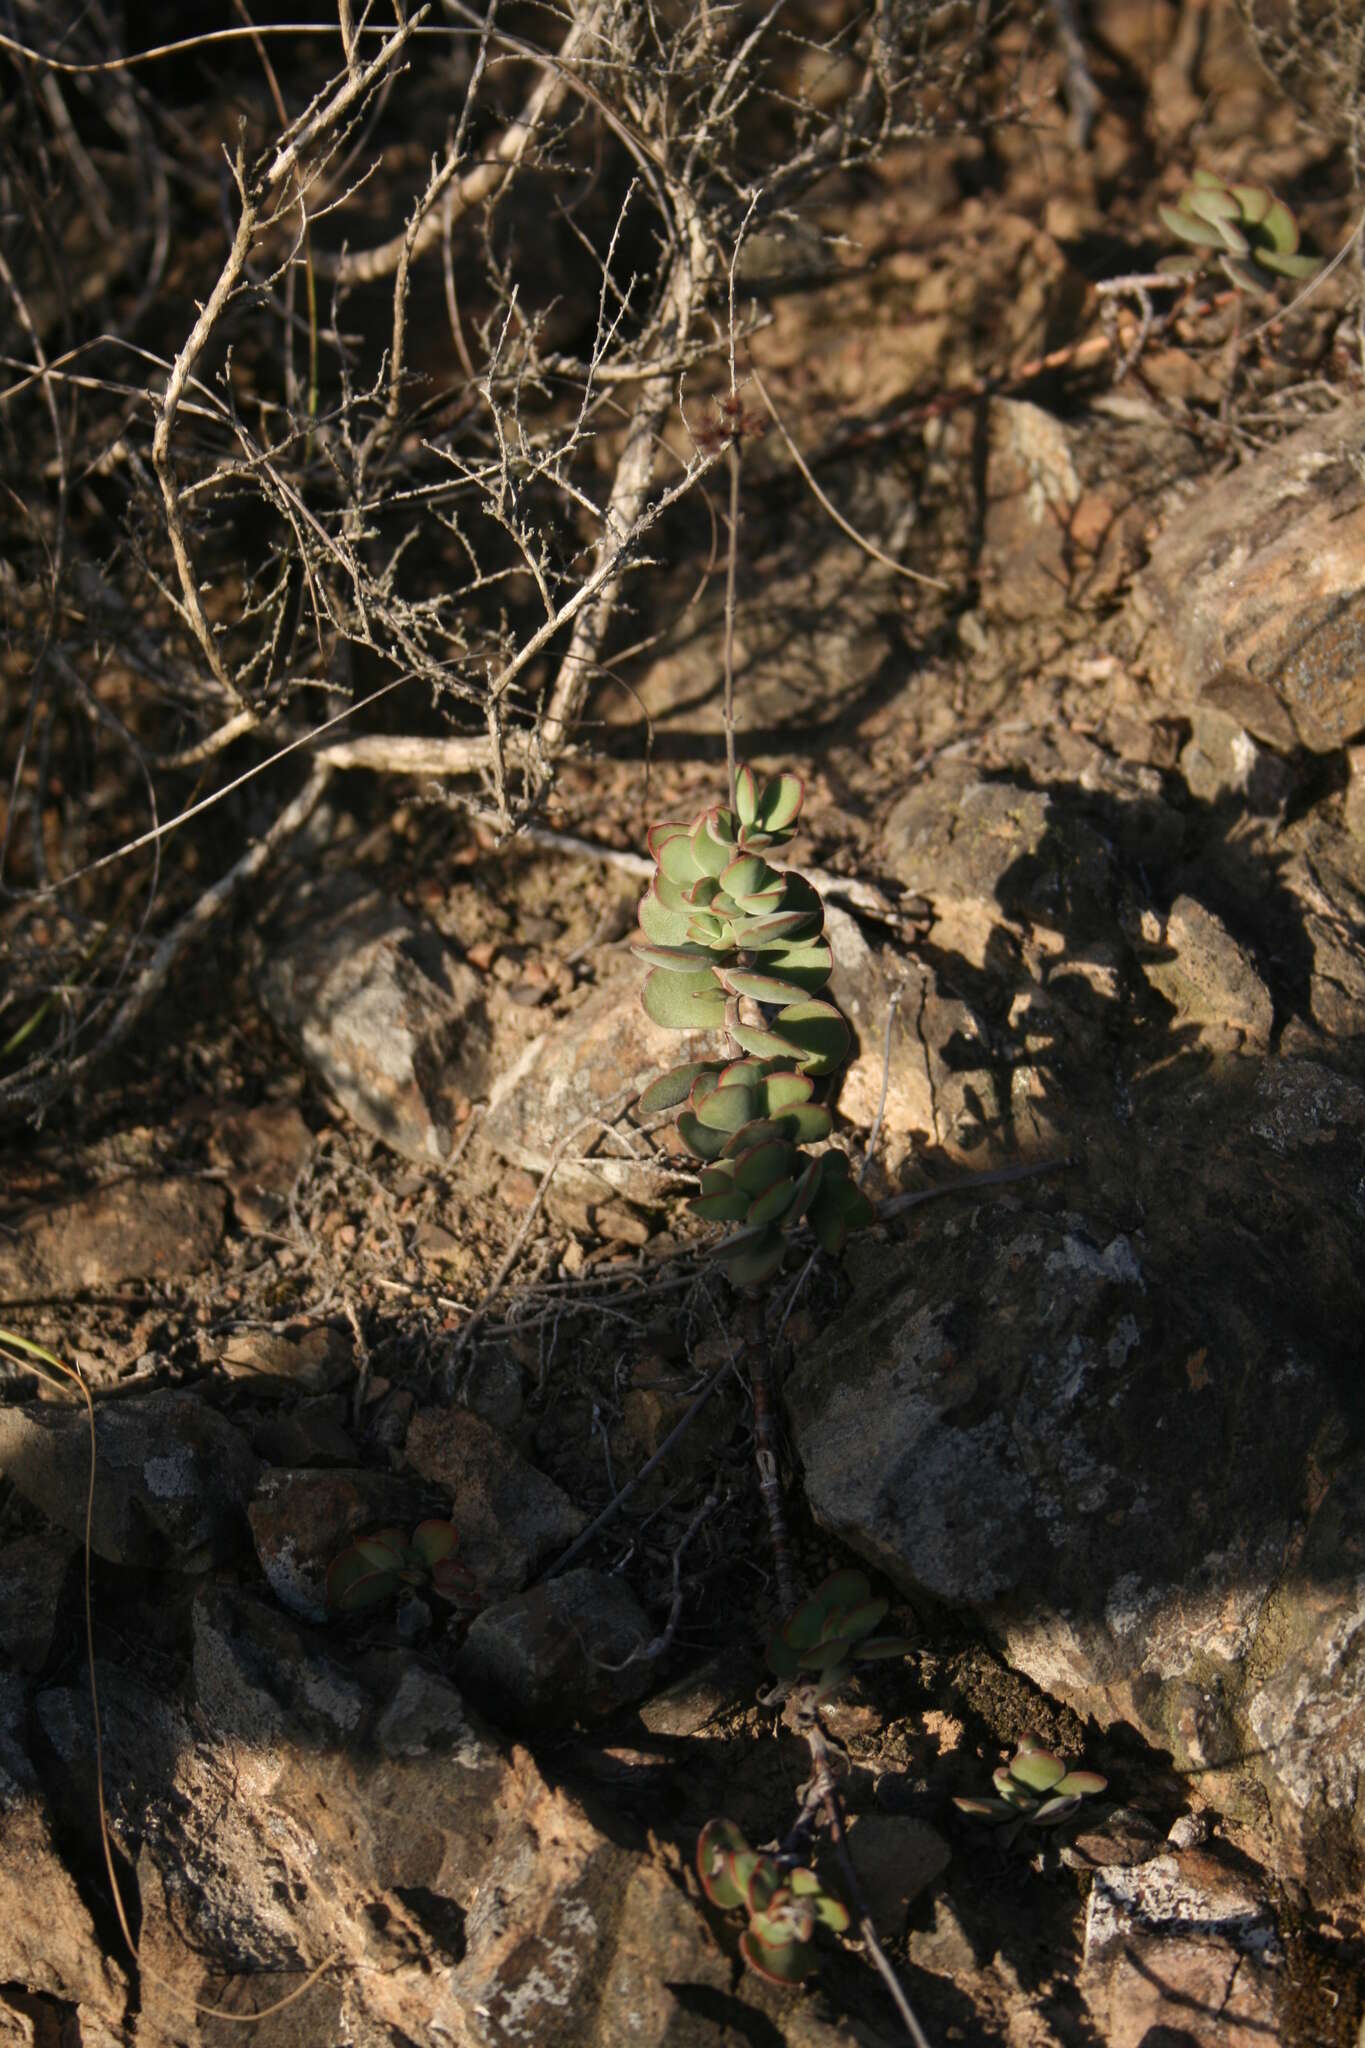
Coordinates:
(761, 1041)
(806, 1123)
(874, 1649)
(780, 804)
(1054, 1811)
(699, 1138)
(677, 861)
(1038, 1769)
(684, 959)
(1285, 265)
(772, 1203)
(718, 1841)
(807, 1624)
(659, 835)
(985, 1809)
(727, 1107)
(367, 1573)
(674, 1087)
(684, 1002)
(1081, 1784)
(660, 925)
(452, 1581)
(816, 1033)
(762, 1164)
(786, 1964)
(434, 1542)
(756, 1259)
(746, 795)
(765, 1882)
(711, 849)
(784, 1090)
(1204, 234)
(731, 1206)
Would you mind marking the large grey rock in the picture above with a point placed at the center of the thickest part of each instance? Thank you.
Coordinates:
(1180, 1947)
(567, 1078)
(172, 1477)
(1260, 574)
(306, 1801)
(1133, 1444)
(383, 1012)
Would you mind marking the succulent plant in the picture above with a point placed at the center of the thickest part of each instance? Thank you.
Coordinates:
(785, 1903)
(736, 944)
(1243, 230)
(1034, 1789)
(830, 1631)
(372, 1569)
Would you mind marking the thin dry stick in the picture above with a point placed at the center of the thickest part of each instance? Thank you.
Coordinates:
(867, 546)
(731, 559)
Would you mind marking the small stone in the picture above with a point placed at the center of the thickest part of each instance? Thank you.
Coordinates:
(1188, 1831)
(511, 1519)
(131, 1230)
(310, 1435)
(559, 1653)
(1122, 1836)
(264, 1150)
(383, 1013)
(314, 1361)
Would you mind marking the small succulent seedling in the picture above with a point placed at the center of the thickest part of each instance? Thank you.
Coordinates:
(785, 1904)
(830, 1632)
(1034, 1789)
(372, 1569)
(737, 945)
(1242, 230)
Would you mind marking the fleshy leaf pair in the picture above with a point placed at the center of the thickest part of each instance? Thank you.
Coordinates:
(785, 1904)
(1035, 1789)
(373, 1568)
(1244, 229)
(832, 1630)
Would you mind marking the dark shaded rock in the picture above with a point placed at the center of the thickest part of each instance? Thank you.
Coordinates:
(1136, 1452)
(131, 1230)
(34, 1573)
(510, 1517)
(174, 1477)
(383, 1013)
(301, 1520)
(48, 1942)
(263, 1150)
(1261, 574)
(310, 1434)
(1180, 1947)
(896, 1858)
(548, 1658)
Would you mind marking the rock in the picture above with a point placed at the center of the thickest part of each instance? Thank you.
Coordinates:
(173, 1477)
(1182, 1947)
(896, 1858)
(687, 1705)
(383, 1013)
(131, 1230)
(263, 1150)
(345, 1805)
(278, 1362)
(1208, 980)
(510, 1517)
(1110, 1443)
(48, 1942)
(1261, 574)
(568, 1077)
(34, 1571)
(1222, 759)
(1121, 1837)
(302, 1519)
(311, 1434)
(545, 1659)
